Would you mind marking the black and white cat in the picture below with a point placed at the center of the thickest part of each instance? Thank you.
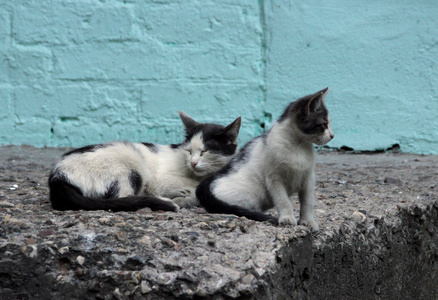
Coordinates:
(124, 176)
(270, 168)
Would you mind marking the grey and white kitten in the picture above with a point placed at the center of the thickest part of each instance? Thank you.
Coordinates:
(272, 167)
(124, 176)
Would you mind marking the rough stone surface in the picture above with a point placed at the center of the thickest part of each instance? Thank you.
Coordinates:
(378, 240)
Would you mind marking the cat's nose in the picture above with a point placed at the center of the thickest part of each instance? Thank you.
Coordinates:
(193, 163)
(332, 135)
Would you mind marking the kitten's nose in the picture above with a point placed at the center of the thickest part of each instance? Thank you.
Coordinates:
(332, 135)
(193, 164)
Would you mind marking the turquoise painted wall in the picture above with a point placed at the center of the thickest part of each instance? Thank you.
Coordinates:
(76, 72)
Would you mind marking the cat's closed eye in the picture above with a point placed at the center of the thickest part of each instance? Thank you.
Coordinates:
(203, 151)
(320, 126)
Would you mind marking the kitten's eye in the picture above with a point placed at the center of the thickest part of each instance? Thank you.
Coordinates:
(323, 126)
(189, 151)
(203, 151)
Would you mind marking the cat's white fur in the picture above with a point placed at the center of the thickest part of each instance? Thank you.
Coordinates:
(166, 172)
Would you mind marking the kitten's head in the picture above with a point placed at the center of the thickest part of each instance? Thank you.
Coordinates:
(208, 147)
(311, 117)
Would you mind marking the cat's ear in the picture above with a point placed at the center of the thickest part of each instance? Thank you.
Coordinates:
(316, 102)
(232, 130)
(188, 121)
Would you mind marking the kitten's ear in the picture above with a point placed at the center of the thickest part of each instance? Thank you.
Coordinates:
(232, 130)
(316, 102)
(187, 120)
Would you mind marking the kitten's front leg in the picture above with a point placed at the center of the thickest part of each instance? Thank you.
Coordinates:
(181, 191)
(307, 203)
(281, 201)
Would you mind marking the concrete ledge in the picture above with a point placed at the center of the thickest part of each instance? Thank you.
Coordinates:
(378, 240)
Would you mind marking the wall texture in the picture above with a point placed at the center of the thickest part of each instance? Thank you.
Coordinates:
(75, 72)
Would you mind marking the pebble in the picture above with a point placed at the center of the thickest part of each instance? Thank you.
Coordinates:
(64, 250)
(390, 180)
(6, 204)
(46, 232)
(359, 217)
(80, 259)
(145, 287)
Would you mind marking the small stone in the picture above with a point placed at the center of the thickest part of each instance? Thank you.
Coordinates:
(359, 217)
(178, 247)
(30, 241)
(118, 295)
(64, 250)
(146, 240)
(390, 180)
(46, 233)
(106, 221)
(247, 279)
(145, 287)
(166, 278)
(120, 236)
(168, 242)
(81, 260)
(6, 204)
(231, 225)
(161, 217)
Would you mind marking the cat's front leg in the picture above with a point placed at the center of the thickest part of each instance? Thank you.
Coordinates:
(281, 201)
(307, 203)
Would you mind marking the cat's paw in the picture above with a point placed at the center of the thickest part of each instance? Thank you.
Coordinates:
(287, 220)
(312, 224)
(185, 193)
(186, 201)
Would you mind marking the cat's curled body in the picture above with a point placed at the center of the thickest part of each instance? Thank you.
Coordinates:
(272, 167)
(125, 176)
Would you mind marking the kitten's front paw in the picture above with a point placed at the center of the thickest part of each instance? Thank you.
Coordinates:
(186, 201)
(287, 220)
(312, 224)
(185, 193)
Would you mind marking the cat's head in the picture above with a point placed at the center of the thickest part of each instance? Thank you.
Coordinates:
(208, 147)
(310, 115)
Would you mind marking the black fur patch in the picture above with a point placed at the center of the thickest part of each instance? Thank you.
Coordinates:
(136, 181)
(151, 147)
(215, 205)
(113, 191)
(85, 149)
(65, 196)
(217, 141)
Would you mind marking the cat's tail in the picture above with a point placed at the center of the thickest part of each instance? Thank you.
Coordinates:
(65, 196)
(214, 205)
